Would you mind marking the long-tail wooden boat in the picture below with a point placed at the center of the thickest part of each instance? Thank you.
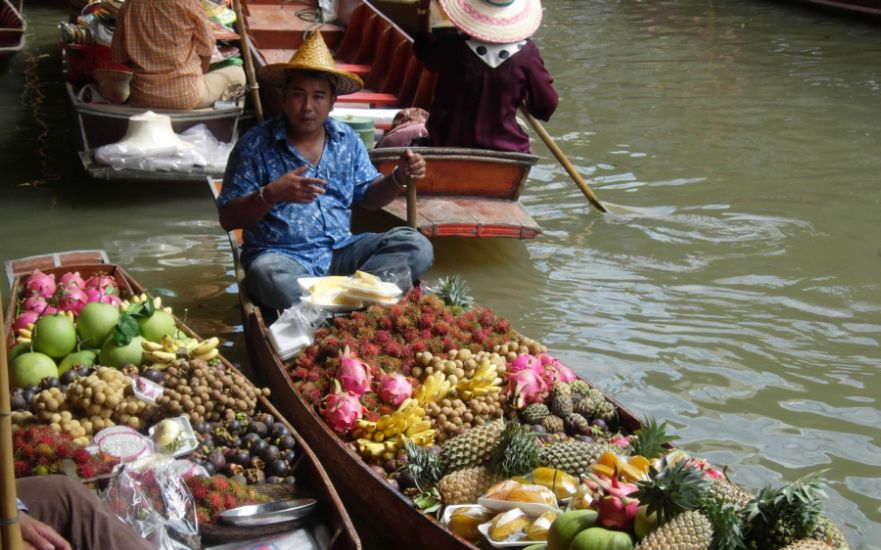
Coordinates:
(361, 488)
(12, 29)
(466, 192)
(852, 7)
(331, 527)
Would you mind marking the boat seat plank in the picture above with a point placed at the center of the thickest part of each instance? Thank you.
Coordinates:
(283, 55)
(467, 216)
(273, 26)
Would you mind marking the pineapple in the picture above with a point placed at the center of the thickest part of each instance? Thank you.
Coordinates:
(517, 454)
(651, 440)
(561, 405)
(472, 448)
(686, 531)
(594, 405)
(777, 518)
(454, 292)
(808, 544)
(672, 489)
(553, 424)
(577, 423)
(465, 486)
(573, 458)
(828, 532)
(730, 492)
(534, 413)
(424, 465)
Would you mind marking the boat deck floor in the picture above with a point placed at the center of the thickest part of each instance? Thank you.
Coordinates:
(282, 27)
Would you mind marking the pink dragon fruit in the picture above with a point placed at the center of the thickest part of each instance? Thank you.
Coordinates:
(35, 302)
(74, 299)
(552, 370)
(524, 361)
(341, 410)
(72, 278)
(25, 319)
(40, 283)
(525, 387)
(616, 509)
(394, 389)
(622, 441)
(354, 374)
(104, 283)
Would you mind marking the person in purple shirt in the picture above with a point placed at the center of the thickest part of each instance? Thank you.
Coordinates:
(290, 183)
(487, 67)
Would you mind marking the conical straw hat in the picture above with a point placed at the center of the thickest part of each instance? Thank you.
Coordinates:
(312, 55)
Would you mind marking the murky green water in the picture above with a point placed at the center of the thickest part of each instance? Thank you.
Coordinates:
(735, 289)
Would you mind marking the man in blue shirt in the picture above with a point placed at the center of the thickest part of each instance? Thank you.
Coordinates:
(291, 181)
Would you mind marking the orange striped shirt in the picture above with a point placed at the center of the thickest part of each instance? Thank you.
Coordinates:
(162, 40)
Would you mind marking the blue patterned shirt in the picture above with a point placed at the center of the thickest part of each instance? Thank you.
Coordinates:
(307, 233)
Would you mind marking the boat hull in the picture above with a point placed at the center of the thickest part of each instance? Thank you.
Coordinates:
(12, 30)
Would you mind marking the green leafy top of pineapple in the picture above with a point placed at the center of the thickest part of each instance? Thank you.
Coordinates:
(517, 453)
(797, 505)
(651, 439)
(672, 489)
(726, 522)
(454, 292)
(425, 466)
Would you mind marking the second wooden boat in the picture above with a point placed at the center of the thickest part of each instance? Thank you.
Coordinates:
(12, 30)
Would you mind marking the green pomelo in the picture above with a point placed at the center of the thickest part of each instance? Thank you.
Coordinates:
(567, 526)
(113, 355)
(17, 350)
(597, 538)
(95, 322)
(54, 335)
(31, 367)
(84, 358)
(157, 325)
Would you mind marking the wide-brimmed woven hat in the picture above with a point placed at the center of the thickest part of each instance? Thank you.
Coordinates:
(496, 21)
(312, 55)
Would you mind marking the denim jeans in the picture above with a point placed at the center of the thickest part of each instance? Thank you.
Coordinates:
(272, 278)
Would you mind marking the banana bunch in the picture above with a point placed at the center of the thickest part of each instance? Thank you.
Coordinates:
(385, 437)
(484, 382)
(162, 354)
(141, 298)
(434, 388)
(25, 334)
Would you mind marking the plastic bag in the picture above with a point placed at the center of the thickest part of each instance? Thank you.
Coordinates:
(200, 149)
(328, 10)
(295, 328)
(150, 495)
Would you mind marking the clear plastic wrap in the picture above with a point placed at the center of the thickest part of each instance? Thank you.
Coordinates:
(151, 495)
(199, 149)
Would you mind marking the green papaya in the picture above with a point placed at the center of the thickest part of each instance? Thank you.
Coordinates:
(597, 538)
(567, 526)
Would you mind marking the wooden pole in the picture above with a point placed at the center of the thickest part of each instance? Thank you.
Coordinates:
(10, 530)
(244, 40)
(411, 203)
(563, 160)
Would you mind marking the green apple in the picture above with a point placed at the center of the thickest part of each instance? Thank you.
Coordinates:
(157, 325)
(113, 355)
(31, 367)
(54, 335)
(84, 358)
(95, 322)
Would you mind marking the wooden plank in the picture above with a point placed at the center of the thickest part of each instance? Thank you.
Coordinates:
(467, 216)
(278, 26)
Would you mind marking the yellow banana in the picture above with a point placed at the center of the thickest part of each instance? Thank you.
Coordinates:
(157, 302)
(206, 346)
(167, 343)
(207, 356)
(25, 333)
(159, 356)
(22, 340)
(152, 346)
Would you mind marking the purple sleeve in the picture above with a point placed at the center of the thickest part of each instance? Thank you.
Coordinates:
(541, 98)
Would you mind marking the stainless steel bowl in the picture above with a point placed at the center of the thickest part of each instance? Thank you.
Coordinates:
(269, 513)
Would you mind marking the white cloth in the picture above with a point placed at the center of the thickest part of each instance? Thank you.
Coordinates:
(494, 54)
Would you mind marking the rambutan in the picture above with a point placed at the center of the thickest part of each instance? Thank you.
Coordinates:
(87, 471)
(44, 450)
(22, 468)
(229, 501)
(395, 311)
(300, 372)
(382, 337)
(220, 483)
(417, 346)
(441, 328)
(202, 516)
(81, 456)
(314, 395)
(384, 322)
(313, 376)
(367, 349)
(392, 348)
(502, 325)
(426, 320)
(214, 500)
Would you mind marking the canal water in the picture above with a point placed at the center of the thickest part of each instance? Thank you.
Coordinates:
(734, 289)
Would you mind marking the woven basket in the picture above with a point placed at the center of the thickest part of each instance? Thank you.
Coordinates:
(215, 533)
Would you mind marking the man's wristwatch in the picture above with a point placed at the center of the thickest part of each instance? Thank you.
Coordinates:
(262, 198)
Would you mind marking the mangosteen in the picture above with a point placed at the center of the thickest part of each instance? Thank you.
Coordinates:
(290, 480)
(235, 441)
(279, 430)
(274, 480)
(233, 426)
(209, 467)
(266, 418)
(239, 478)
(538, 428)
(257, 462)
(67, 377)
(242, 457)
(229, 453)
(258, 447)
(600, 423)
(278, 468)
(33, 388)
(17, 402)
(584, 438)
(250, 438)
(258, 428)
(406, 480)
(390, 465)
(289, 455)
(232, 470)
(50, 382)
(286, 442)
(28, 396)
(221, 437)
(254, 475)
(200, 427)
(393, 483)
(271, 453)
(153, 375)
(217, 459)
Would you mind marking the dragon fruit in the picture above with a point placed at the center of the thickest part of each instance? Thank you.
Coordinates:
(72, 278)
(552, 370)
(35, 302)
(393, 389)
(95, 294)
(525, 361)
(25, 319)
(616, 509)
(524, 387)
(341, 410)
(354, 374)
(40, 283)
(74, 299)
(104, 283)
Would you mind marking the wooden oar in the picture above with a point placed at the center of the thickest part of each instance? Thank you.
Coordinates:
(249, 63)
(563, 160)
(10, 530)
